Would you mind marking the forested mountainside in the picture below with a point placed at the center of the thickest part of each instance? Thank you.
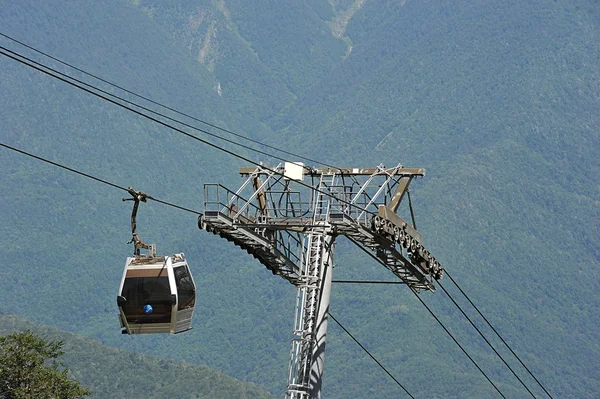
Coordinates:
(117, 373)
(499, 102)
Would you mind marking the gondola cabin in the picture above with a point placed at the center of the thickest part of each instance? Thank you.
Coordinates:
(157, 295)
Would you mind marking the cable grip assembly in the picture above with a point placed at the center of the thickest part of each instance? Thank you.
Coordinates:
(138, 244)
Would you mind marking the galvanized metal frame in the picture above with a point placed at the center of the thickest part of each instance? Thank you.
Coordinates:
(295, 240)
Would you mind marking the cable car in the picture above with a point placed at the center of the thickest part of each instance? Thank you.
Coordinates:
(157, 293)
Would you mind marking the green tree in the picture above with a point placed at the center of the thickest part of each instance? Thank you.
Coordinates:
(29, 369)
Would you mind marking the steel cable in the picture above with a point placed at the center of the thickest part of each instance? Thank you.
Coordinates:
(164, 106)
(162, 123)
(498, 334)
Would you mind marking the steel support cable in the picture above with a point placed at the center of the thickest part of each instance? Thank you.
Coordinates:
(485, 339)
(498, 334)
(192, 211)
(188, 210)
(185, 209)
(140, 106)
(208, 143)
(94, 178)
(195, 212)
(412, 213)
(165, 106)
(439, 322)
(456, 342)
(162, 123)
(370, 355)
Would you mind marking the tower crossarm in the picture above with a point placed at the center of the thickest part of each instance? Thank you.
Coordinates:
(265, 250)
(390, 253)
(289, 217)
(308, 171)
(277, 250)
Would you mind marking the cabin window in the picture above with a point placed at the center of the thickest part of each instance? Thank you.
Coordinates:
(186, 291)
(153, 291)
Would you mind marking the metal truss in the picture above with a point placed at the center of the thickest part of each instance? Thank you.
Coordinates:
(288, 217)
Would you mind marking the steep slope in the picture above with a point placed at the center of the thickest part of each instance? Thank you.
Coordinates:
(115, 373)
(211, 38)
(262, 55)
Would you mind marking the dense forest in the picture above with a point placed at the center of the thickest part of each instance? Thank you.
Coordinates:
(500, 102)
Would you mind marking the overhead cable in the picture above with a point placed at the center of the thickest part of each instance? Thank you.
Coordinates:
(438, 320)
(456, 342)
(370, 355)
(162, 123)
(226, 151)
(498, 334)
(165, 106)
(95, 178)
(140, 106)
(149, 197)
(485, 339)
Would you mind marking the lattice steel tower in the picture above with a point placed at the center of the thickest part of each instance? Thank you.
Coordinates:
(288, 217)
